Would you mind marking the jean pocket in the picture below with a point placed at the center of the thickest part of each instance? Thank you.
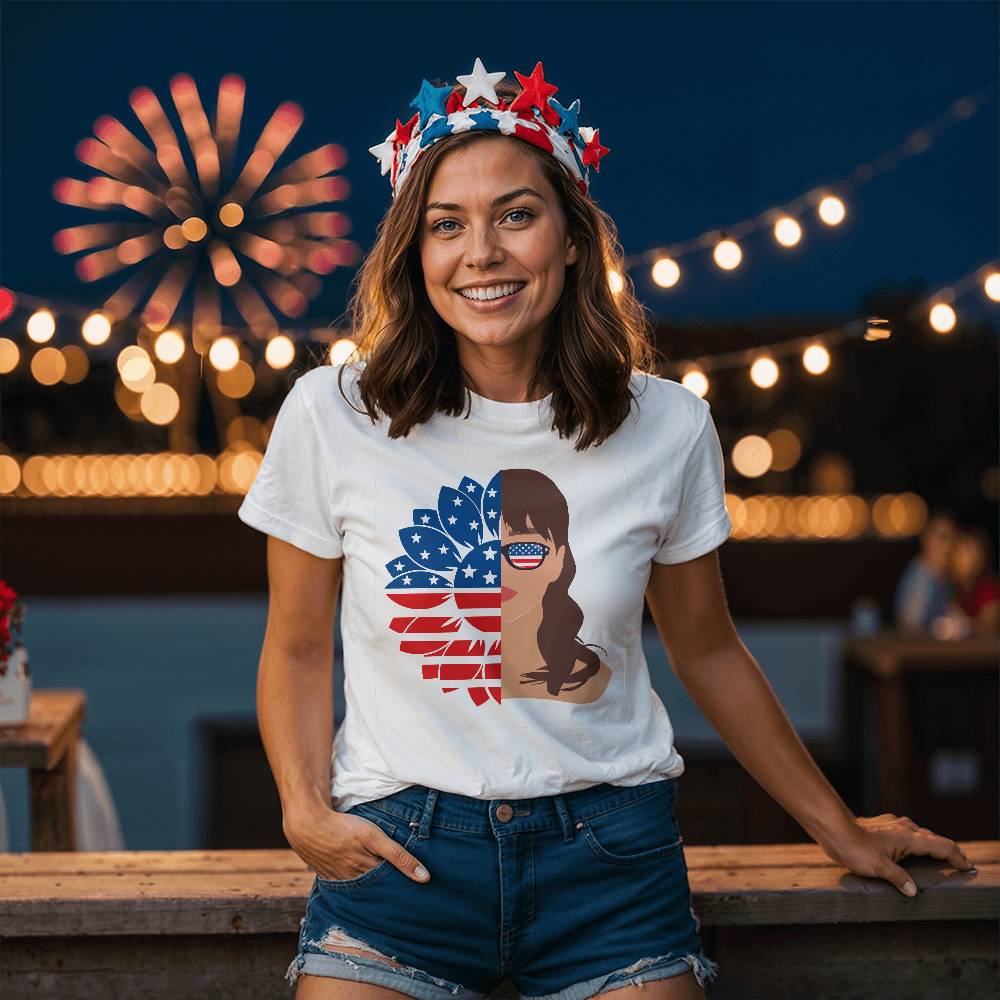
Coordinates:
(403, 835)
(642, 829)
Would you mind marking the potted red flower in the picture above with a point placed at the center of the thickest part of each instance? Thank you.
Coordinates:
(15, 677)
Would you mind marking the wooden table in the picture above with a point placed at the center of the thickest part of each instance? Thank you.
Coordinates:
(884, 660)
(781, 920)
(46, 744)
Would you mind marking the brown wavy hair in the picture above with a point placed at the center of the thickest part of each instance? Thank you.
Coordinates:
(411, 367)
(529, 495)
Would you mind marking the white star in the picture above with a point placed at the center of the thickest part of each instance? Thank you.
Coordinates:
(490, 553)
(471, 487)
(479, 83)
(490, 577)
(491, 513)
(461, 121)
(415, 538)
(458, 501)
(473, 525)
(384, 153)
(399, 567)
(443, 550)
(425, 518)
(507, 120)
(452, 519)
(469, 571)
(425, 555)
(492, 493)
(406, 580)
(434, 580)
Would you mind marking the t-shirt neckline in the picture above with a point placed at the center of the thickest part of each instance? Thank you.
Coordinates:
(495, 411)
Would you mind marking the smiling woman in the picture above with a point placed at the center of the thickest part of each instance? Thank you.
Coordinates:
(491, 244)
(505, 769)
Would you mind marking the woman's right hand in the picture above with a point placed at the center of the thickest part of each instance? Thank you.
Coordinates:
(340, 845)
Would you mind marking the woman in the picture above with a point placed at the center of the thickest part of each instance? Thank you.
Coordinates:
(500, 470)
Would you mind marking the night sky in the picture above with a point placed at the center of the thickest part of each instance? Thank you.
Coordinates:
(713, 112)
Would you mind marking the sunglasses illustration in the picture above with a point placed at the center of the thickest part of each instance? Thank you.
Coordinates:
(524, 555)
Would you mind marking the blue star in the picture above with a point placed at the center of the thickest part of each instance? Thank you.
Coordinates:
(431, 100)
(483, 121)
(568, 115)
(437, 128)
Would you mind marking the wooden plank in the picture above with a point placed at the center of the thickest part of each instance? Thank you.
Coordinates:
(40, 741)
(221, 892)
(935, 960)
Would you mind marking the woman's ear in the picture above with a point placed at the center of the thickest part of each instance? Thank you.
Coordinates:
(571, 253)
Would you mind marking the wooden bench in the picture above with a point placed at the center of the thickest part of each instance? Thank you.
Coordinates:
(780, 919)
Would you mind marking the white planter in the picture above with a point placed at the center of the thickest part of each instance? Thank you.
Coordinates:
(15, 688)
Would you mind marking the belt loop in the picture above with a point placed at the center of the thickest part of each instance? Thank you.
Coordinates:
(565, 818)
(424, 823)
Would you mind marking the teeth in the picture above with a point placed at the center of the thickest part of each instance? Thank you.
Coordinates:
(493, 292)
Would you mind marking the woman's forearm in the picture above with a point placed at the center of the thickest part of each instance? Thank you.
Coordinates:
(729, 686)
(295, 715)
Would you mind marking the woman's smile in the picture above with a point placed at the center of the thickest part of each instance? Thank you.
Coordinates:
(494, 304)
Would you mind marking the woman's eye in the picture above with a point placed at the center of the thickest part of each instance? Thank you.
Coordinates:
(514, 211)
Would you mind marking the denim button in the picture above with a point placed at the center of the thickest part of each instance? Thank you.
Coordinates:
(504, 812)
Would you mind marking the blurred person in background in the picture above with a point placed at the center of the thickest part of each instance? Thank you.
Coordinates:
(926, 593)
(977, 590)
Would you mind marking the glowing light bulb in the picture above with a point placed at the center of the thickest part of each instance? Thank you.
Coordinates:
(832, 210)
(764, 372)
(280, 351)
(696, 381)
(342, 350)
(942, 317)
(96, 328)
(815, 359)
(41, 325)
(224, 354)
(787, 231)
(666, 272)
(727, 254)
(169, 347)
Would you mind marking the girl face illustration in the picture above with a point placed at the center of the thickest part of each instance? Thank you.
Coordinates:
(530, 563)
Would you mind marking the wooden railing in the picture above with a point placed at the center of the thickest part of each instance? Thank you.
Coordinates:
(780, 920)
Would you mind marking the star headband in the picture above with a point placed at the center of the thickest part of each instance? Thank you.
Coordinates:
(534, 116)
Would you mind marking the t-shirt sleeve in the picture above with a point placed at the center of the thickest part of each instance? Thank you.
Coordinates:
(291, 497)
(702, 522)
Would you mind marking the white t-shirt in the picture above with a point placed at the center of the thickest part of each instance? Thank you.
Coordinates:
(431, 582)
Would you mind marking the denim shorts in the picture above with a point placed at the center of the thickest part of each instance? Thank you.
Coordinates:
(567, 896)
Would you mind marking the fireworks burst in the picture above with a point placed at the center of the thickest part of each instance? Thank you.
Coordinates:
(256, 233)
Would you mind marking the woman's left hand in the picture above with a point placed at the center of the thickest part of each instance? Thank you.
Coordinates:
(873, 844)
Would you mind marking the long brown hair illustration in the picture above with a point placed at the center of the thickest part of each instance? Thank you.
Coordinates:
(542, 655)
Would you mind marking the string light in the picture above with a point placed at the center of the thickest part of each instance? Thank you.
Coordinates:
(764, 372)
(41, 326)
(830, 200)
(727, 254)
(942, 318)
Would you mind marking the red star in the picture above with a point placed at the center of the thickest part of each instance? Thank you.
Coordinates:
(536, 91)
(454, 102)
(405, 132)
(593, 151)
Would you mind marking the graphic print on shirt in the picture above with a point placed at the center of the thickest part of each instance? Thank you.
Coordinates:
(482, 590)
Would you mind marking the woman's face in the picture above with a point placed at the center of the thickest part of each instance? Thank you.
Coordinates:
(522, 589)
(492, 218)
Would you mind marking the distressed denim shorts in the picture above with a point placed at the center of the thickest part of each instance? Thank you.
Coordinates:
(567, 896)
